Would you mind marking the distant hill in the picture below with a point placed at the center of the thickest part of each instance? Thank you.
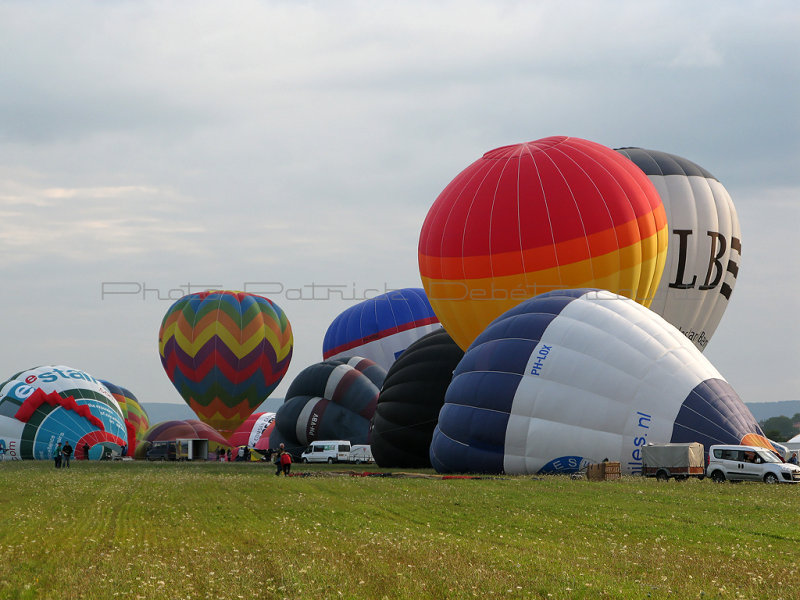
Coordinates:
(764, 410)
(170, 411)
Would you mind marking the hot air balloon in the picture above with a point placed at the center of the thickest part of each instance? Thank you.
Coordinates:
(331, 400)
(46, 405)
(410, 400)
(189, 429)
(381, 328)
(136, 420)
(705, 244)
(225, 352)
(556, 213)
(572, 377)
(251, 431)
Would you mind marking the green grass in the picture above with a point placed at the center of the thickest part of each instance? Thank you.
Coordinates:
(192, 530)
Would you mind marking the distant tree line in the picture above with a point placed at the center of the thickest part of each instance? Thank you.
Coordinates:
(781, 429)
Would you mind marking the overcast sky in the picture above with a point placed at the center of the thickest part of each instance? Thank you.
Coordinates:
(146, 146)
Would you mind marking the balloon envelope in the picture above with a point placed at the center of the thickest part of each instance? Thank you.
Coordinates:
(575, 376)
(250, 432)
(705, 244)
(555, 213)
(381, 328)
(136, 420)
(46, 405)
(225, 352)
(410, 400)
(331, 400)
(190, 429)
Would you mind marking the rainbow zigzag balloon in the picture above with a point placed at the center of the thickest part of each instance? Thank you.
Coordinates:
(136, 420)
(225, 352)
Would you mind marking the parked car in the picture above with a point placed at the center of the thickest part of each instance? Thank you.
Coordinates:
(749, 463)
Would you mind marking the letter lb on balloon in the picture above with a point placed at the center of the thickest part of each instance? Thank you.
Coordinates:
(705, 243)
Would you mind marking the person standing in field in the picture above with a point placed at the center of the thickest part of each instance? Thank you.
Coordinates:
(85, 451)
(286, 462)
(57, 455)
(277, 460)
(67, 452)
(2, 452)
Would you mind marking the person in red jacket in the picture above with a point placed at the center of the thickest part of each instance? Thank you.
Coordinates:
(286, 462)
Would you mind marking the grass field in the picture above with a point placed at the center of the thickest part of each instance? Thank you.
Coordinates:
(193, 530)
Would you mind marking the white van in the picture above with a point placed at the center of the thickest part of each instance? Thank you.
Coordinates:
(749, 463)
(329, 451)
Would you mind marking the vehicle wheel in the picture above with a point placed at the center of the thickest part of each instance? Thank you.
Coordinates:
(718, 477)
(770, 478)
(662, 476)
(358, 461)
(305, 460)
(330, 461)
(701, 477)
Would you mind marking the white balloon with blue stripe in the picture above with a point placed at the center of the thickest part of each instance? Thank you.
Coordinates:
(573, 377)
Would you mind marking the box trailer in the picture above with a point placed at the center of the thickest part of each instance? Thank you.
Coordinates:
(191, 449)
(361, 453)
(679, 461)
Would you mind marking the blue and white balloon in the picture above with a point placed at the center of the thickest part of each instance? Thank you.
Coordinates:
(381, 328)
(574, 377)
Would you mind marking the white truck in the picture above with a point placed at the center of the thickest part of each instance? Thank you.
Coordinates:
(679, 461)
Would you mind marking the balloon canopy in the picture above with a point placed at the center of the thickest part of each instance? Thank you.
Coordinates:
(225, 352)
(410, 400)
(46, 405)
(190, 429)
(381, 328)
(556, 213)
(331, 400)
(251, 431)
(136, 419)
(705, 244)
(575, 376)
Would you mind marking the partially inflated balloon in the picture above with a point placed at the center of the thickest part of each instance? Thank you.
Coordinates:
(381, 328)
(190, 429)
(136, 420)
(331, 400)
(572, 377)
(251, 431)
(705, 246)
(556, 213)
(46, 405)
(225, 352)
(410, 400)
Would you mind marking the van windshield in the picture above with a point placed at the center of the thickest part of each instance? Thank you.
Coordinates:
(768, 456)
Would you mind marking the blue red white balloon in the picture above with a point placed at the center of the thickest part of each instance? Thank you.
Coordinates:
(381, 328)
(43, 406)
